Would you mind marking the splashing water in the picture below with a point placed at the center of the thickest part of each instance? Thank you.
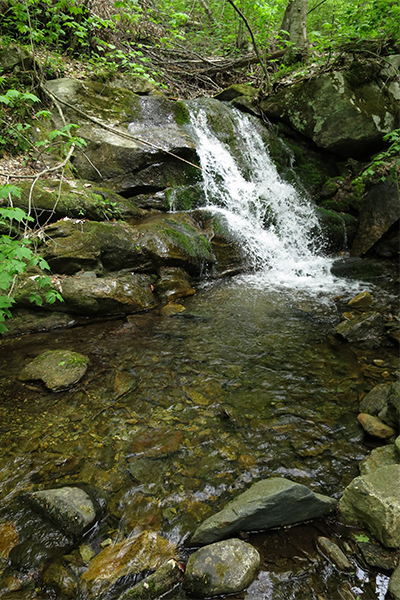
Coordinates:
(277, 227)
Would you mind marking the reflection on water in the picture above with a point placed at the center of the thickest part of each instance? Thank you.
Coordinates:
(177, 415)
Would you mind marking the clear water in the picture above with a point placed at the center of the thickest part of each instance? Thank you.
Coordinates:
(177, 415)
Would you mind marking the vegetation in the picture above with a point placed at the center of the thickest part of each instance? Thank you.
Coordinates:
(185, 47)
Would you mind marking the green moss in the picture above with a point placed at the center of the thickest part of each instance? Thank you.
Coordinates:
(181, 113)
(189, 239)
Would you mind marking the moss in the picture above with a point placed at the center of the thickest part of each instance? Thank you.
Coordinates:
(184, 198)
(181, 113)
(187, 238)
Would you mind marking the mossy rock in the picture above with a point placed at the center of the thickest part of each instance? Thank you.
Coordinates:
(184, 197)
(58, 369)
(339, 229)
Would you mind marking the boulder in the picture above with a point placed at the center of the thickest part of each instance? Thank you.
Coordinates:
(173, 283)
(340, 112)
(373, 501)
(273, 502)
(392, 416)
(161, 240)
(378, 213)
(58, 369)
(129, 137)
(118, 566)
(69, 508)
(222, 568)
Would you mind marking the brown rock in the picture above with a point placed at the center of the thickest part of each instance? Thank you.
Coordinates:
(156, 443)
(363, 300)
(374, 426)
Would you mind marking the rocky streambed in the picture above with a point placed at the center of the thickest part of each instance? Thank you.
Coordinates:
(175, 416)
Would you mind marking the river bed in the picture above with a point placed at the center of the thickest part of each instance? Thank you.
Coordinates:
(178, 415)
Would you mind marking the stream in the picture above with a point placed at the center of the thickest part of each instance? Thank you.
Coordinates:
(177, 415)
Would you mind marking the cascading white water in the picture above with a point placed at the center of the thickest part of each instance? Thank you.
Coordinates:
(276, 226)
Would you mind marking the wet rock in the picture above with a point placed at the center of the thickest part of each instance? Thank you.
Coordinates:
(392, 416)
(61, 580)
(362, 300)
(378, 557)
(58, 369)
(373, 501)
(27, 321)
(374, 426)
(222, 568)
(173, 283)
(364, 269)
(367, 327)
(336, 556)
(8, 538)
(118, 566)
(375, 400)
(379, 211)
(157, 584)
(397, 444)
(126, 164)
(69, 508)
(29, 556)
(394, 584)
(161, 240)
(339, 229)
(171, 309)
(379, 457)
(269, 503)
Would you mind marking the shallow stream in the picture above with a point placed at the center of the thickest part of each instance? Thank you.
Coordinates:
(177, 415)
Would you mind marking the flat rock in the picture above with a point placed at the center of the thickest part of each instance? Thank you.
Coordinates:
(58, 369)
(367, 327)
(375, 400)
(222, 568)
(157, 584)
(69, 508)
(273, 502)
(373, 502)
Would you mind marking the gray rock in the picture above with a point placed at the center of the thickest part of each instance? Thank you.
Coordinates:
(59, 369)
(394, 584)
(367, 327)
(222, 568)
(379, 211)
(338, 112)
(336, 556)
(373, 501)
(157, 584)
(393, 406)
(397, 444)
(375, 400)
(69, 508)
(269, 503)
(384, 456)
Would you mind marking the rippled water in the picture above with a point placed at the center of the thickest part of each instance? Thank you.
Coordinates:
(177, 415)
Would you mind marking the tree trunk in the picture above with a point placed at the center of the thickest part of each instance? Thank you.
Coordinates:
(295, 23)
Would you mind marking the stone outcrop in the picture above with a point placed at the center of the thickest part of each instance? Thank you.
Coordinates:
(345, 112)
(222, 568)
(373, 501)
(269, 503)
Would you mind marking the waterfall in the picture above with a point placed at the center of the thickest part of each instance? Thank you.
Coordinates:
(277, 227)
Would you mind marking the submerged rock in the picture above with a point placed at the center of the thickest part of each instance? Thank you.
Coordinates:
(118, 566)
(367, 327)
(58, 369)
(157, 584)
(273, 502)
(373, 501)
(222, 568)
(69, 508)
(61, 580)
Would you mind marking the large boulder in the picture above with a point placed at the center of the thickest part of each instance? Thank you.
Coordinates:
(222, 568)
(273, 502)
(373, 501)
(162, 240)
(345, 112)
(379, 212)
(129, 137)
